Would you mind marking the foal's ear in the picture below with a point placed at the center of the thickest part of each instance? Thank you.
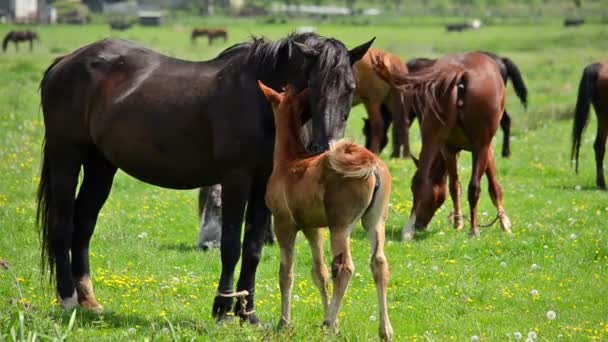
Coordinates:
(271, 95)
(358, 52)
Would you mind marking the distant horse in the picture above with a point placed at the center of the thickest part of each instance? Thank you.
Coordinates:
(459, 101)
(334, 189)
(459, 27)
(186, 125)
(593, 89)
(573, 22)
(381, 102)
(212, 34)
(508, 70)
(120, 25)
(19, 36)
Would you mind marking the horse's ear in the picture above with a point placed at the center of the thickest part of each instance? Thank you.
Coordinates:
(358, 52)
(306, 50)
(271, 95)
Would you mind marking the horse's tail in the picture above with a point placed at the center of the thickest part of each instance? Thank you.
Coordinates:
(7, 38)
(43, 215)
(518, 82)
(586, 94)
(351, 160)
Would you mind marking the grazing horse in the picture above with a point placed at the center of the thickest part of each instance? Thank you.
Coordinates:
(211, 34)
(593, 89)
(508, 70)
(186, 125)
(382, 103)
(19, 36)
(334, 189)
(459, 101)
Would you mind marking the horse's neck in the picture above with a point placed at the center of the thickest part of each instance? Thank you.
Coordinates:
(287, 146)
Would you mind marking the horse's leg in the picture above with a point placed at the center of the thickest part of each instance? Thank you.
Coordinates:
(95, 188)
(320, 273)
(31, 45)
(600, 147)
(496, 192)
(374, 222)
(451, 161)
(342, 269)
(256, 225)
(235, 190)
(210, 213)
(480, 163)
(505, 124)
(64, 164)
(375, 123)
(286, 237)
(16, 45)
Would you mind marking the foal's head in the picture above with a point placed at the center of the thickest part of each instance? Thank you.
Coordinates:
(289, 106)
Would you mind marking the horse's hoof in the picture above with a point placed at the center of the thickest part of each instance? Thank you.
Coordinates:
(251, 318)
(92, 306)
(221, 307)
(386, 334)
(282, 324)
(474, 234)
(68, 303)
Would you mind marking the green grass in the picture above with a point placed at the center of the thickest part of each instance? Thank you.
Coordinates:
(443, 286)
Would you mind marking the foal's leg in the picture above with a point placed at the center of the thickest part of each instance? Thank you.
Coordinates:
(342, 269)
(505, 124)
(374, 222)
(600, 146)
(320, 273)
(95, 188)
(256, 225)
(480, 163)
(496, 193)
(235, 190)
(376, 124)
(451, 161)
(286, 237)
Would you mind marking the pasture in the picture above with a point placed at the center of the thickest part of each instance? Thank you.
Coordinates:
(156, 285)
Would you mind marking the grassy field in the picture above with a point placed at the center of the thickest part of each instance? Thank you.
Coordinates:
(444, 286)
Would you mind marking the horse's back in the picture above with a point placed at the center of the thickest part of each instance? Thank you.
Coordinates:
(370, 87)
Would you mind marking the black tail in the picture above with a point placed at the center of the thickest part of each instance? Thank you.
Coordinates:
(43, 219)
(586, 94)
(7, 38)
(518, 82)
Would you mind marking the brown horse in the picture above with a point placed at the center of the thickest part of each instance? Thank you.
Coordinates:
(19, 36)
(381, 102)
(211, 34)
(593, 89)
(459, 102)
(334, 189)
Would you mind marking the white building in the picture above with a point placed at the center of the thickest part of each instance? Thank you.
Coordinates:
(24, 10)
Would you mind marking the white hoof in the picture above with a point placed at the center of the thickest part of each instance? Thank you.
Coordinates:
(69, 303)
(408, 231)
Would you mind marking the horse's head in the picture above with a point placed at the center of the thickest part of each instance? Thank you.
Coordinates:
(332, 83)
(427, 203)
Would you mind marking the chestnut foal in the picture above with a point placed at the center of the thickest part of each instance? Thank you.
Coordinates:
(333, 189)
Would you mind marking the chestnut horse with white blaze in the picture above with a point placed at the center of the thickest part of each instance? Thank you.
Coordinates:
(459, 102)
(382, 102)
(334, 189)
(593, 89)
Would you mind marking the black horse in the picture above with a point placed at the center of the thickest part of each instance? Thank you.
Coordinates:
(508, 70)
(19, 36)
(181, 125)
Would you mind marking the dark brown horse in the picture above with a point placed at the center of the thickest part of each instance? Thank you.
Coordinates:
(459, 101)
(508, 70)
(211, 34)
(181, 125)
(593, 89)
(19, 36)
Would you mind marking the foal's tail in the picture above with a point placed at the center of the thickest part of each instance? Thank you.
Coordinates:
(586, 95)
(7, 38)
(351, 160)
(518, 82)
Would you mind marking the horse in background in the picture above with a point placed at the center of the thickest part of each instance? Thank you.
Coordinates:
(19, 36)
(459, 101)
(334, 189)
(382, 103)
(187, 125)
(593, 89)
(508, 70)
(212, 34)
